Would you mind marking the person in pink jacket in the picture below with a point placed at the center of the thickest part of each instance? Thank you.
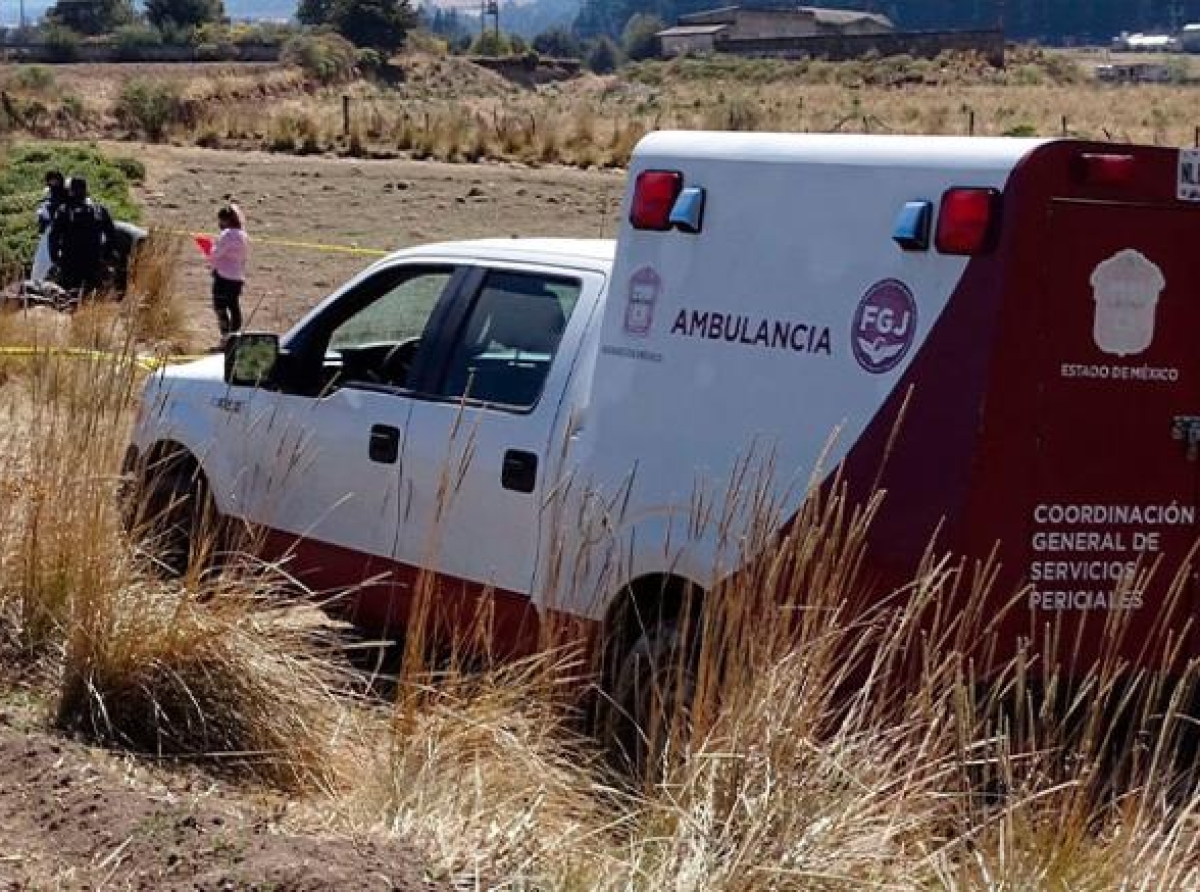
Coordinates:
(228, 260)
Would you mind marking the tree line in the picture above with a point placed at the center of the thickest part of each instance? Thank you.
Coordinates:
(380, 24)
(1050, 21)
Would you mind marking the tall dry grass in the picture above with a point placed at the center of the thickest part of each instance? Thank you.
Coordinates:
(219, 672)
(155, 312)
(132, 660)
(830, 744)
(458, 113)
(826, 743)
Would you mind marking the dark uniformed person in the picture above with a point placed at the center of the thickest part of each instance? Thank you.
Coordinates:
(81, 237)
(55, 197)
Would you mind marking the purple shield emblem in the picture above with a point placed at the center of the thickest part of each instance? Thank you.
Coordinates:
(644, 288)
(885, 326)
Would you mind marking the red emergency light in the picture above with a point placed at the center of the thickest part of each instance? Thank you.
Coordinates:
(1105, 170)
(654, 195)
(967, 222)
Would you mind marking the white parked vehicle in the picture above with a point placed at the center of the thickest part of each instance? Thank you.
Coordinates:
(999, 333)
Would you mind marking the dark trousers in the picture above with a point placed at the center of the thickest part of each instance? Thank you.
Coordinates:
(83, 278)
(226, 298)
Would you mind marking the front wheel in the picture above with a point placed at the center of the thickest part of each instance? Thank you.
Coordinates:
(173, 517)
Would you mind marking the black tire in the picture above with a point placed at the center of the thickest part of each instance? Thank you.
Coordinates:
(175, 519)
(649, 696)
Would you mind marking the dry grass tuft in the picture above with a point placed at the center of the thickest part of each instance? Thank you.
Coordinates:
(156, 312)
(235, 680)
(215, 673)
(59, 530)
(485, 773)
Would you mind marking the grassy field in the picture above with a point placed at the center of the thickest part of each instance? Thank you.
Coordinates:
(786, 781)
(482, 771)
(444, 108)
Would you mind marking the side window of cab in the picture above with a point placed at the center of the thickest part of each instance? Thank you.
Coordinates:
(507, 338)
(377, 334)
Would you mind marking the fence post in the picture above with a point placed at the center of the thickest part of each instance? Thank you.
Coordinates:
(345, 114)
(1196, 138)
(1064, 126)
(971, 122)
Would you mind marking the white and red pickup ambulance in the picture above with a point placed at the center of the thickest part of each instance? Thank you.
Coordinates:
(529, 420)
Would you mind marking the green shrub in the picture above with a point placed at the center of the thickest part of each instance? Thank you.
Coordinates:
(62, 44)
(151, 107)
(22, 173)
(639, 40)
(370, 62)
(603, 57)
(492, 44)
(132, 169)
(73, 107)
(31, 78)
(132, 41)
(326, 57)
(269, 33)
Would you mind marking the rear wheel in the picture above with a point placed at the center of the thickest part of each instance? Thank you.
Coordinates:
(650, 695)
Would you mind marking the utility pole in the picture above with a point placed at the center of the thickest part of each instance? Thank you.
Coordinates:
(490, 8)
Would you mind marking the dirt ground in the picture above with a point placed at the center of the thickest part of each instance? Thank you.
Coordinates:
(76, 818)
(303, 213)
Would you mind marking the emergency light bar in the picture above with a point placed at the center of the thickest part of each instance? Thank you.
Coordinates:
(967, 221)
(1104, 170)
(654, 196)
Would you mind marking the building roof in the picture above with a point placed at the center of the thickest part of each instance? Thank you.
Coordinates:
(693, 30)
(720, 13)
(821, 14)
(1149, 40)
(845, 16)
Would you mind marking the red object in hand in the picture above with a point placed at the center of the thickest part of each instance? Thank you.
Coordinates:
(204, 243)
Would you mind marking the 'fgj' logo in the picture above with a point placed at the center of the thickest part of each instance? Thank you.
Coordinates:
(1126, 288)
(884, 326)
(644, 288)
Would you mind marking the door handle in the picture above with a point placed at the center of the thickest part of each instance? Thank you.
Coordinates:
(385, 444)
(520, 471)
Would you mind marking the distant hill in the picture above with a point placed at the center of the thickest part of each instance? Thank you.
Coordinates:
(238, 9)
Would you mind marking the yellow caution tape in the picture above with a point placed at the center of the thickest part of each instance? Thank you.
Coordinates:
(302, 246)
(146, 363)
(316, 246)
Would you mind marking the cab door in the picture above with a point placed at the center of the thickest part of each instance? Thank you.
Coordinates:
(1118, 423)
(325, 452)
(476, 461)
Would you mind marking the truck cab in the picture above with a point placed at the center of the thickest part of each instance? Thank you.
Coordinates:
(413, 422)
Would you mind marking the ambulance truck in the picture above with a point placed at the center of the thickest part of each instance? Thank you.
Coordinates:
(1000, 336)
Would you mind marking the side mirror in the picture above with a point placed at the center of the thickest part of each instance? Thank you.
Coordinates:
(250, 358)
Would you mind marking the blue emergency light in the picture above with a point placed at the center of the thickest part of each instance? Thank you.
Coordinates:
(914, 225)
